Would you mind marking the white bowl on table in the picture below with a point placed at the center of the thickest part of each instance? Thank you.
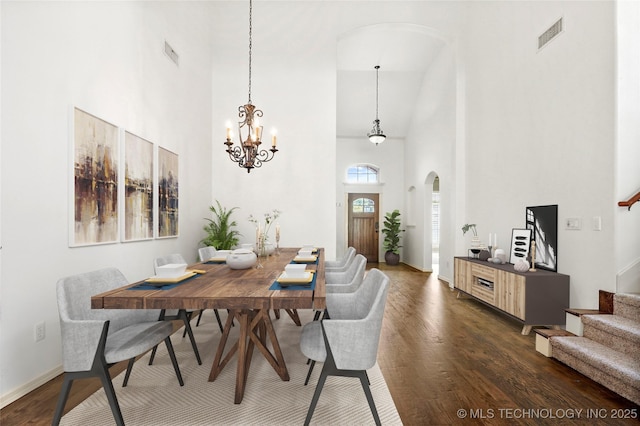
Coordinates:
(294, 270)
(241, 259)
(171, 270)
(305, 254)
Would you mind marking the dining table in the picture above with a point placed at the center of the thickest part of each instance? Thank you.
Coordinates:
(249, 295)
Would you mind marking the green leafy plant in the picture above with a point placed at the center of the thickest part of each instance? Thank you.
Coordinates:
(469, 227)
(392, 231)
(220, 230)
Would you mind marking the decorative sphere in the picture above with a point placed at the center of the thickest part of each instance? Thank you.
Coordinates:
(521, 265)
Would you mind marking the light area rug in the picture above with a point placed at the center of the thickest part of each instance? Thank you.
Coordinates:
(153, 396)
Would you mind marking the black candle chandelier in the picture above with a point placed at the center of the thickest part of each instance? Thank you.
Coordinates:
(248, 154)
(376, 135)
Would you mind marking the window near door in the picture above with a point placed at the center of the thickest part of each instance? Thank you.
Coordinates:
(362, 173)
(435, 218)
(363, 205)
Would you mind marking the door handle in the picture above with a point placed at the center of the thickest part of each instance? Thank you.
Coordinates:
(377, 226)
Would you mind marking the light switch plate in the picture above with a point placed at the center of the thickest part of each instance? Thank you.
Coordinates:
(597, 223)
(573, 223)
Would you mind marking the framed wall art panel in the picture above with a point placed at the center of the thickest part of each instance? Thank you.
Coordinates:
(95, 180)
(167, 193)
(138, 188)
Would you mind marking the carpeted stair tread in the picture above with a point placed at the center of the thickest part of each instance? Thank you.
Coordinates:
(627, 305)
(616, 325)
(624, 367)
(629, 298)
(609, 350)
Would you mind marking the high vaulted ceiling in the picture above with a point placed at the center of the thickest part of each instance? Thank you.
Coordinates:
(404, 53)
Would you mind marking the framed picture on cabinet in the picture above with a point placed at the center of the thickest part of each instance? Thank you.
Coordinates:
(520, 243)
(543, 223)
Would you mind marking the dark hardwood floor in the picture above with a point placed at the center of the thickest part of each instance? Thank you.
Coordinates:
(446, 360)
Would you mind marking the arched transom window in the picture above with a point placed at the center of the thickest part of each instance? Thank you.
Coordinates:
(362, 173)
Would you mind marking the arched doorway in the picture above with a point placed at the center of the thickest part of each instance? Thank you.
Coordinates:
(431, 239)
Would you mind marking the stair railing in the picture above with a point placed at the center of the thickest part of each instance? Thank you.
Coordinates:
(631, 201)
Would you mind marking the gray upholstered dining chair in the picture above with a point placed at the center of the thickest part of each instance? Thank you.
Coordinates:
(349, 280)
(176, 314)
(345, 282)
(340, 265)
(206, 253)
(95, 339)
(347, 343)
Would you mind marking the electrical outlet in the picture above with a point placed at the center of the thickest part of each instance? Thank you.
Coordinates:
(39, 331)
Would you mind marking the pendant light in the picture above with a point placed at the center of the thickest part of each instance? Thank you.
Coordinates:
(376, 135)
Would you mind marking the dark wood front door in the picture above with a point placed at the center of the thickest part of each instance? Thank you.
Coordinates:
(363, 225)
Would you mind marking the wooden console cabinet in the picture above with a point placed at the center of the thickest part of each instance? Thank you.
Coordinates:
(534, 298)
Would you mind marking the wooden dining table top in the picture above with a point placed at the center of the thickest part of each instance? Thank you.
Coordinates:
(221, 287)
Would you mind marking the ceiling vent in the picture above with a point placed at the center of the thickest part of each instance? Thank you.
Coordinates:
(550, 34)
(172, 54)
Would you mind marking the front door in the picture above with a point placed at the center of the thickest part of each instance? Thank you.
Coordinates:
(363, 225)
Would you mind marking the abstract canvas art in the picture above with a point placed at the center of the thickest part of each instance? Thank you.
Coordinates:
(138, 188)
(167, 193)
(95, 180)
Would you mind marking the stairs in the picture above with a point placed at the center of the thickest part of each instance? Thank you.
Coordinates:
(609, 349)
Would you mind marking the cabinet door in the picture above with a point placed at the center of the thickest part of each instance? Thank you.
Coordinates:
(500, 291)
(462, 275)
(510, 293)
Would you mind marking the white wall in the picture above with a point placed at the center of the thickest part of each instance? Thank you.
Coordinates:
(293, 83)
(431, 149)
(514, 108)
(106, 58)
(540, 129)
(627, 177)
(388, 158)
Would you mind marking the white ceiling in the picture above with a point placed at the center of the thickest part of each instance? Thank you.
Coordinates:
(404, 53)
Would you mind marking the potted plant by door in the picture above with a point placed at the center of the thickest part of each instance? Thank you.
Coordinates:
(391, 233)
(220, 230)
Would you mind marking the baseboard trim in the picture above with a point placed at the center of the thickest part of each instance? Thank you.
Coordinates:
(34, 384)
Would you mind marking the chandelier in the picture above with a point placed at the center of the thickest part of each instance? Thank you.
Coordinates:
(376, 135)
(249, 154)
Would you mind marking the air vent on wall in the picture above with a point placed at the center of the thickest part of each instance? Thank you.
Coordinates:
(550, 34)
(172, 54)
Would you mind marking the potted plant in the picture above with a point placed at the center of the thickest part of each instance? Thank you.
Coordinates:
(475, 241)
(469, 227)
(391, 233)
(220, 232)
